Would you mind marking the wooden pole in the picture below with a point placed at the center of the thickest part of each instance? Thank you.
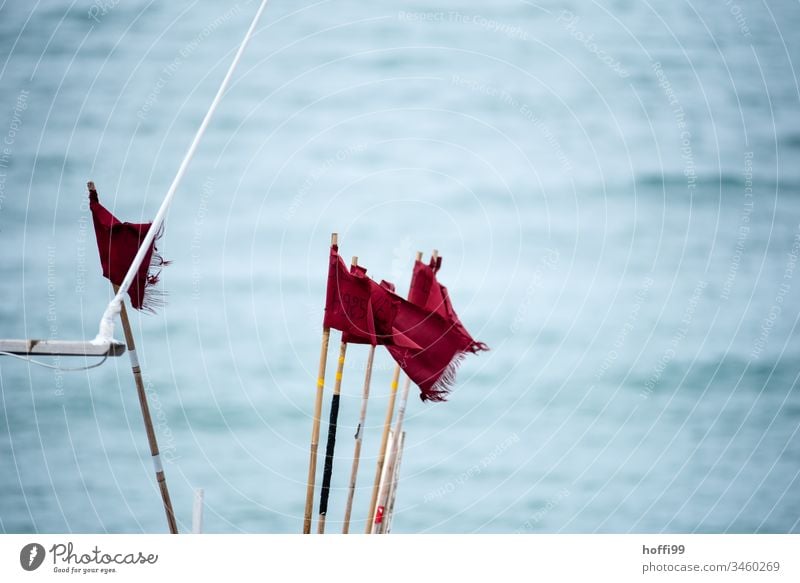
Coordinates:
(331, 446)
(148, 421)
(389, 514)
(377, 522)
(389, 463)
(387, 423)
(383, 500)
(358, 437)
(312, 461)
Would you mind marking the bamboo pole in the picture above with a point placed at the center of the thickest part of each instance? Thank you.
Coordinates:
(312, 461)
(331, 445)
(389, 514)
(383, 501)
(389, 463)
(148, 421)
(332, 423)
(387, 423)
(377, 523)
(358, 437)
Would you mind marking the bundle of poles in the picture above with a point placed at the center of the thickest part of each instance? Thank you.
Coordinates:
(427, 342)
(390, 452)
(387, 467)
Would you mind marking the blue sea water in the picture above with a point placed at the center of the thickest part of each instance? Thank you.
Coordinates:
(613, 187)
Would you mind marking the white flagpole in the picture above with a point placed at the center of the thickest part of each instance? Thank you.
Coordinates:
(106, 331)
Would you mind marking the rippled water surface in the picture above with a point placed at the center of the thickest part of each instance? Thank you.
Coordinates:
(613, 187)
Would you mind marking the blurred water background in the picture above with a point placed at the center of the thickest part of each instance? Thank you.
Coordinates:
(613, 187)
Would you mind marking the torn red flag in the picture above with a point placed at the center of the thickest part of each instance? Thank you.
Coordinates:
(427, 292)
(424, 336)
(118, 244)
(428, 319)
(347, 300)
(357, 306)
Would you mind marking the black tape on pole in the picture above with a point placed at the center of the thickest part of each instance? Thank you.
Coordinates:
(326, 475)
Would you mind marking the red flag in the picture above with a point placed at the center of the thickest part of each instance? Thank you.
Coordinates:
(433, 366)
(428, 319)
(428, 293)
(118, 244)
(428, 345)
(363, 310)
(347, 301)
